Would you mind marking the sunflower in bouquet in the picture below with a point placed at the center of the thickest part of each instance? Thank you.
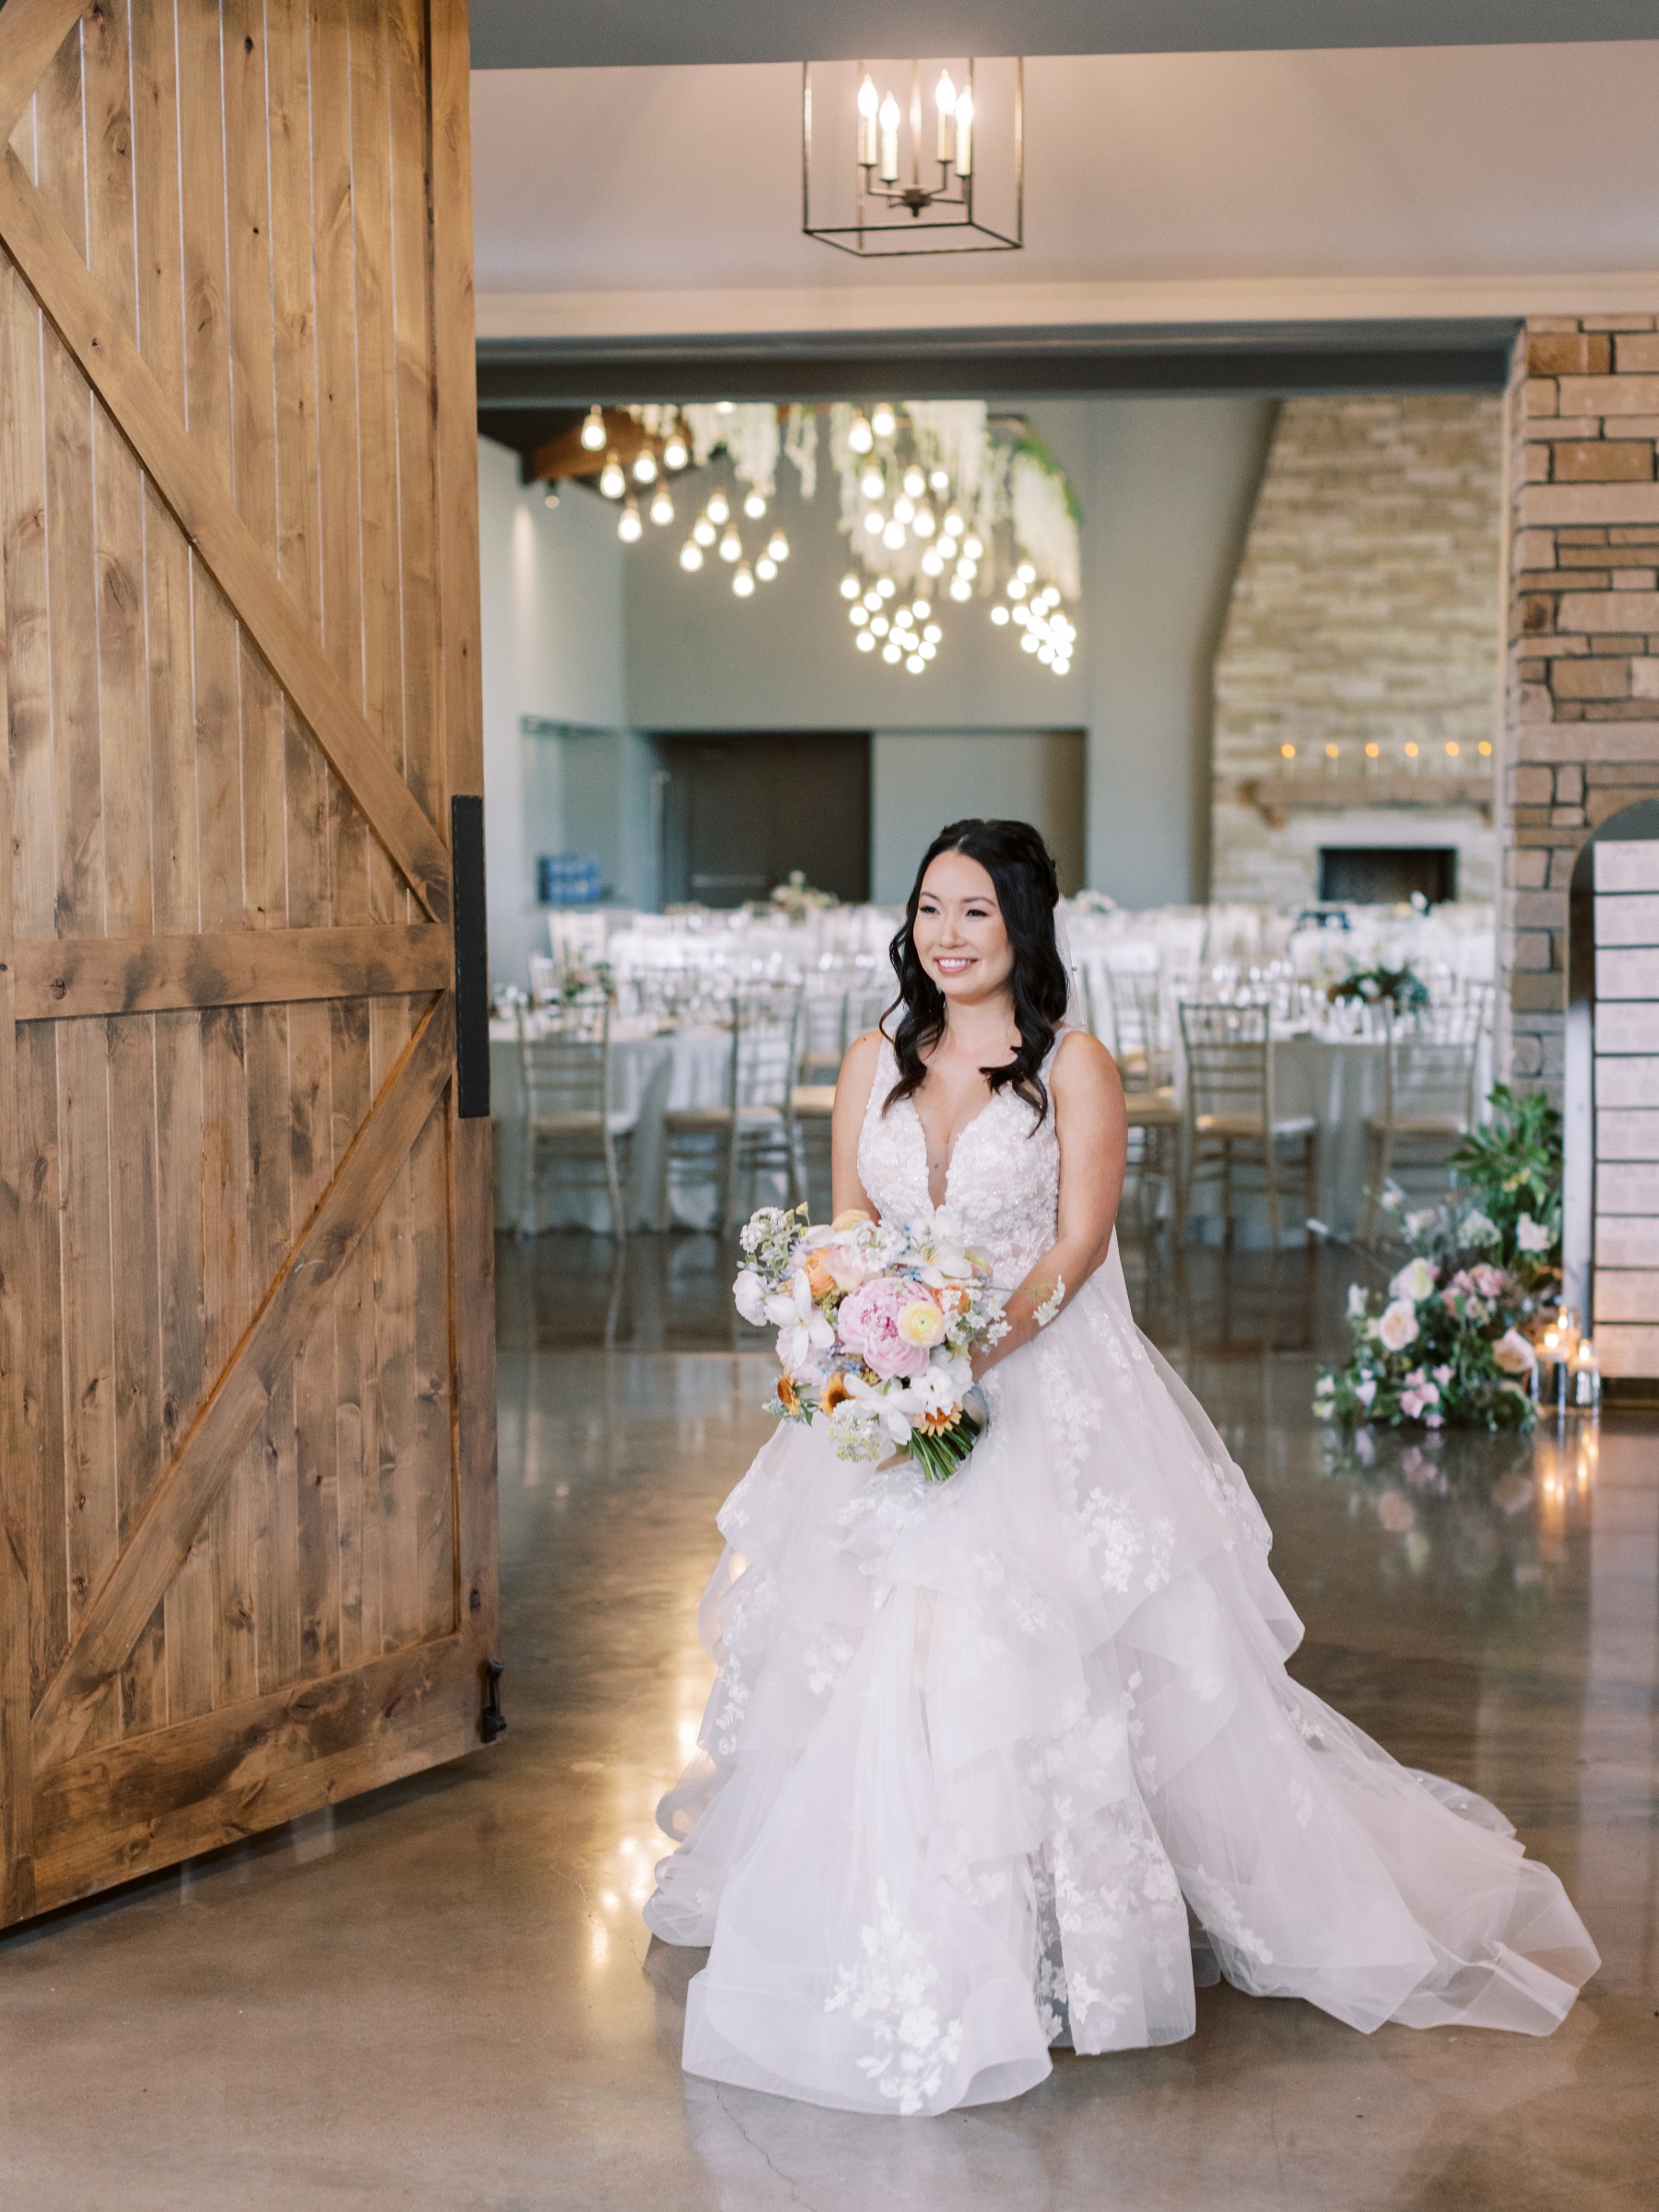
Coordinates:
(877, 1330)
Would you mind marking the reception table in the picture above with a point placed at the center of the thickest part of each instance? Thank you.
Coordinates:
(653, 1073)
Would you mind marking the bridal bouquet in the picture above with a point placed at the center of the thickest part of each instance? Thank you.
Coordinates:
(875, 1329)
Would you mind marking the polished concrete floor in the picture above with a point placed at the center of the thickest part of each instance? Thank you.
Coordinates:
(444, 1996)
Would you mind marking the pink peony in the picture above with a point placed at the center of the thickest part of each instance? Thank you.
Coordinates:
(868, 1326)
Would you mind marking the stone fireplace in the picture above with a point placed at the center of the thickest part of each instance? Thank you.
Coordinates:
(1357, 681)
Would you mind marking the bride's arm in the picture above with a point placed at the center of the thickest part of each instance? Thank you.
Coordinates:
(1087, 1105)
(852, 1088)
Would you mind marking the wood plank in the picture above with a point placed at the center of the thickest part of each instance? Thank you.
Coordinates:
(353, 1412)
(335, 338)
(90, 1505)
(273, 1467)
(119, 624)
(228, 1292)
(30, 34)
(173, 852)
(20, 1543)
(473, 1391)
(124, 1811)
(437, 1603)
(316, 1473)
(380, 520)
(188, 1602)
(186, 478)
(416, 460)
(135, 1254)
(241, 1392)
(63, 978)
(39, 1294)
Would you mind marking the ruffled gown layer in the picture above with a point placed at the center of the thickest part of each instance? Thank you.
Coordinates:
(985, 1761)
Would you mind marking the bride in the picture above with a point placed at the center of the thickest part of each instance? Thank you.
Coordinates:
(1012, 1761)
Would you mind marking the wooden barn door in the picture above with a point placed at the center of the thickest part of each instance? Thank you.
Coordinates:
(247, 1460)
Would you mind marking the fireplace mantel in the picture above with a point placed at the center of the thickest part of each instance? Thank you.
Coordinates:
(1276, 798)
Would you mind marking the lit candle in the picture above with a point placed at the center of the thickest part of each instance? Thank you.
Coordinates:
(946, 99)
(890, 140)
(867, 104)
(964, 132)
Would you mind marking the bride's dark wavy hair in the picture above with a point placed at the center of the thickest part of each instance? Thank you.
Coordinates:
(1021, 869)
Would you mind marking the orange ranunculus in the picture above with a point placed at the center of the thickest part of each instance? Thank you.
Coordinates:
(789, 1397)
(820, 1276)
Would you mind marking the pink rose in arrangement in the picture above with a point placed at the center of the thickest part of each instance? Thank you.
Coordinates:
(1488, 1280)
(868, 1325)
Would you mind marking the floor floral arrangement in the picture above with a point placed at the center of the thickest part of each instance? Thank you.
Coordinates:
(1448, 1343)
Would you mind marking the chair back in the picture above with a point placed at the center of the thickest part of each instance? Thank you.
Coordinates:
(766, 1027)
(1433, 1059)
(567, 1065)
(545, 975)
(1229, 1060)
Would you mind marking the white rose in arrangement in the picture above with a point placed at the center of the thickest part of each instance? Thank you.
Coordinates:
(1356, 1301)
(1532, 1236)
(1423, 1218)
(1513, 1354)
(748, 1293)
(1398, 1326)
(1415, 1281)
(1478, 1229)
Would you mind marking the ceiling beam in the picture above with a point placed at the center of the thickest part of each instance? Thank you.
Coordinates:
(534, 374)
(548, 34)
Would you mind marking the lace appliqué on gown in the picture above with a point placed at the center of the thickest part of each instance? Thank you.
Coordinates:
(988, 1764)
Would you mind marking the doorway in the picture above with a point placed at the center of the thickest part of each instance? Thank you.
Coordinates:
(739, 813)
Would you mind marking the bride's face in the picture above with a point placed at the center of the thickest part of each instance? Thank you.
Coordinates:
(959, 935)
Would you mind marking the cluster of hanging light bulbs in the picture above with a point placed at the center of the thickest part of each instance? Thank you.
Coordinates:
(1044, 631)
(716, 528)
(905, 501)
(898, 634)
(649, 474)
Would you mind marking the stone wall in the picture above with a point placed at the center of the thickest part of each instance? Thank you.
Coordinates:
(1582, 719)
(1366, 613)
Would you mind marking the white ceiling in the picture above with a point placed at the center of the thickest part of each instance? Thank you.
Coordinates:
(669, 197)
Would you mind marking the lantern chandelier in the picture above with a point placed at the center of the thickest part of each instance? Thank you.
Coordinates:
(913, 157)
(939, 500)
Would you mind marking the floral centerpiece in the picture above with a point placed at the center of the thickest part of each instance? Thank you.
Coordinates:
(799, 900)
(876, 1327)
(1447, 1343)
(1401, 988)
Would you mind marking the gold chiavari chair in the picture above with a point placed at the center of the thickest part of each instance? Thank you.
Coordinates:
(1231, 1115)
(568, 1114)
(754, 1130)
(1429, 1094)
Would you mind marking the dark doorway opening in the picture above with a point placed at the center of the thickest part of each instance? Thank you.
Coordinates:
(1387, 874)
(740, 813)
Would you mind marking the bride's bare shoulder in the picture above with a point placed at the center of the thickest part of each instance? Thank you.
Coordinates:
(858, 1063)
(1083, 1073)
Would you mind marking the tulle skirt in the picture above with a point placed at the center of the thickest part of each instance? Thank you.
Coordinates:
(989, 1765)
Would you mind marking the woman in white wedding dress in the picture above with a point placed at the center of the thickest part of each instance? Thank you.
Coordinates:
(1002, 1763)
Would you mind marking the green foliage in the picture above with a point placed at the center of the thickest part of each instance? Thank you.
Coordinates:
(1513, 1166)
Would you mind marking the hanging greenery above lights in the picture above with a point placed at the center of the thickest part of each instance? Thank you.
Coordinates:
(937, 498)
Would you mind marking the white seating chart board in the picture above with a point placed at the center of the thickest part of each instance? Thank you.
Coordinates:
(1627, 1106)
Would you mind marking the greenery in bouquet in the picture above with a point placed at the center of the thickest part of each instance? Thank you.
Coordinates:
(1447, 1344)
(876, 1327)
(1402, 987)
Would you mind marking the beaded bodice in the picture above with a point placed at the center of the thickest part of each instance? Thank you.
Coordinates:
(1003, 1188)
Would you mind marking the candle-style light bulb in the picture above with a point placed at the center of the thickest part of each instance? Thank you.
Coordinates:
(593, 433)
(890, 140)
(964, 132)
(867, 105)
(945, 99)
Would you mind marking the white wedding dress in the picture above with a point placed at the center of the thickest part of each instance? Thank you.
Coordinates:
(989, 1764)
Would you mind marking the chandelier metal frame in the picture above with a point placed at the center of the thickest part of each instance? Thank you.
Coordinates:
(904, 210)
